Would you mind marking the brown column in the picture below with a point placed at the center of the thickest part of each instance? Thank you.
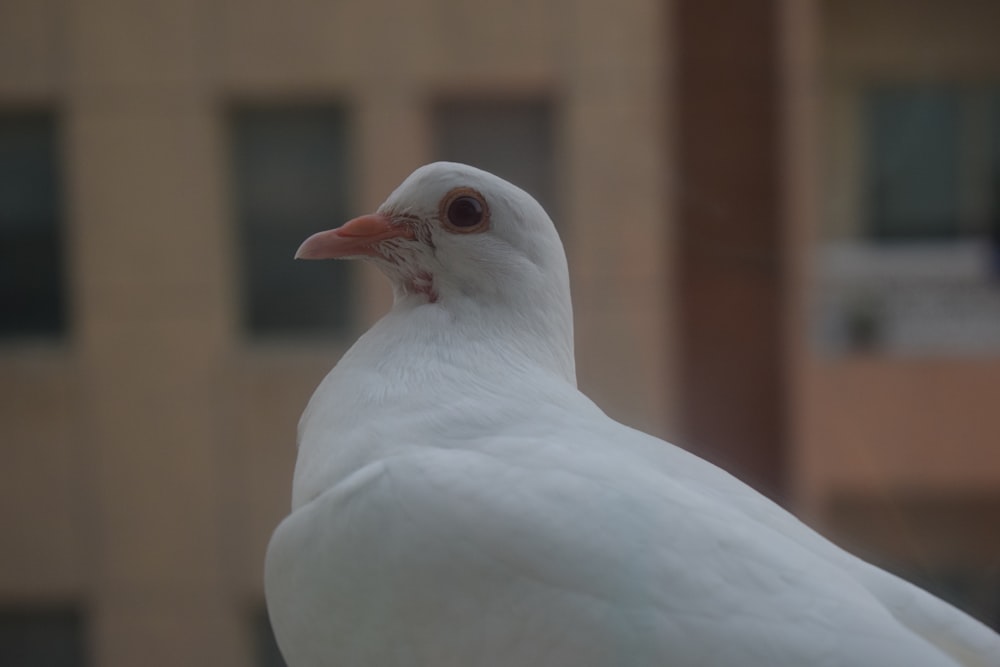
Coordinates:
(730, 254)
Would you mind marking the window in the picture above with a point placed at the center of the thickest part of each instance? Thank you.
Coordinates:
(933, 167)
(41, 639)
(917, 271)
(31, 266)
(513, 139)
(994, 181)
(977, 592)
(292, 179)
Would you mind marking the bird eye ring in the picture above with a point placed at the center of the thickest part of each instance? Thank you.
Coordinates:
(463, 210)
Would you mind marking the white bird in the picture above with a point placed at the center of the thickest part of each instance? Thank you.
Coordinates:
(457, 502)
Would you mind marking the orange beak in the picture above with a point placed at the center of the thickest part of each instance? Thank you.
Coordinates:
(356, 238)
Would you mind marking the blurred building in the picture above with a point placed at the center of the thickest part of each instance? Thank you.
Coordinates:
(782, 219)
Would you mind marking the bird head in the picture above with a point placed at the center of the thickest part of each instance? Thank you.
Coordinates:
(451, 232)
(474, 246)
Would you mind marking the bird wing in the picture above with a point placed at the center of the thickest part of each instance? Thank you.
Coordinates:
(569, 549)
(968, 641)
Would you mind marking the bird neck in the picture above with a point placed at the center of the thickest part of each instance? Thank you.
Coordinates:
(460, 335)
(425, 366)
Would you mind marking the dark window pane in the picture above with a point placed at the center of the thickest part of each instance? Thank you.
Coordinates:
(268, 654)
(41, 639)
(511, 138)
(977, 592)
(31, 272)
(913, 161)
(292, 179)
(994, 181)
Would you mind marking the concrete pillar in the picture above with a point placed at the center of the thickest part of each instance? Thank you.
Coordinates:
(731, 244)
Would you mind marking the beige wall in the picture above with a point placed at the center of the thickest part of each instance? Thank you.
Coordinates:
(148, 455)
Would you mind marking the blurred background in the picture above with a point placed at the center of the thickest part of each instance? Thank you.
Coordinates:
(782, 219)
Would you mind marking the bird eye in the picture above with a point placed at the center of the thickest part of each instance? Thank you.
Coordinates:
(464, 210)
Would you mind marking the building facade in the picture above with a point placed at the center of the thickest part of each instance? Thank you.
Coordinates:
(751, 276)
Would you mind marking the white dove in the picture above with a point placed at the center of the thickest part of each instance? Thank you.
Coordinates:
(458, 502)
